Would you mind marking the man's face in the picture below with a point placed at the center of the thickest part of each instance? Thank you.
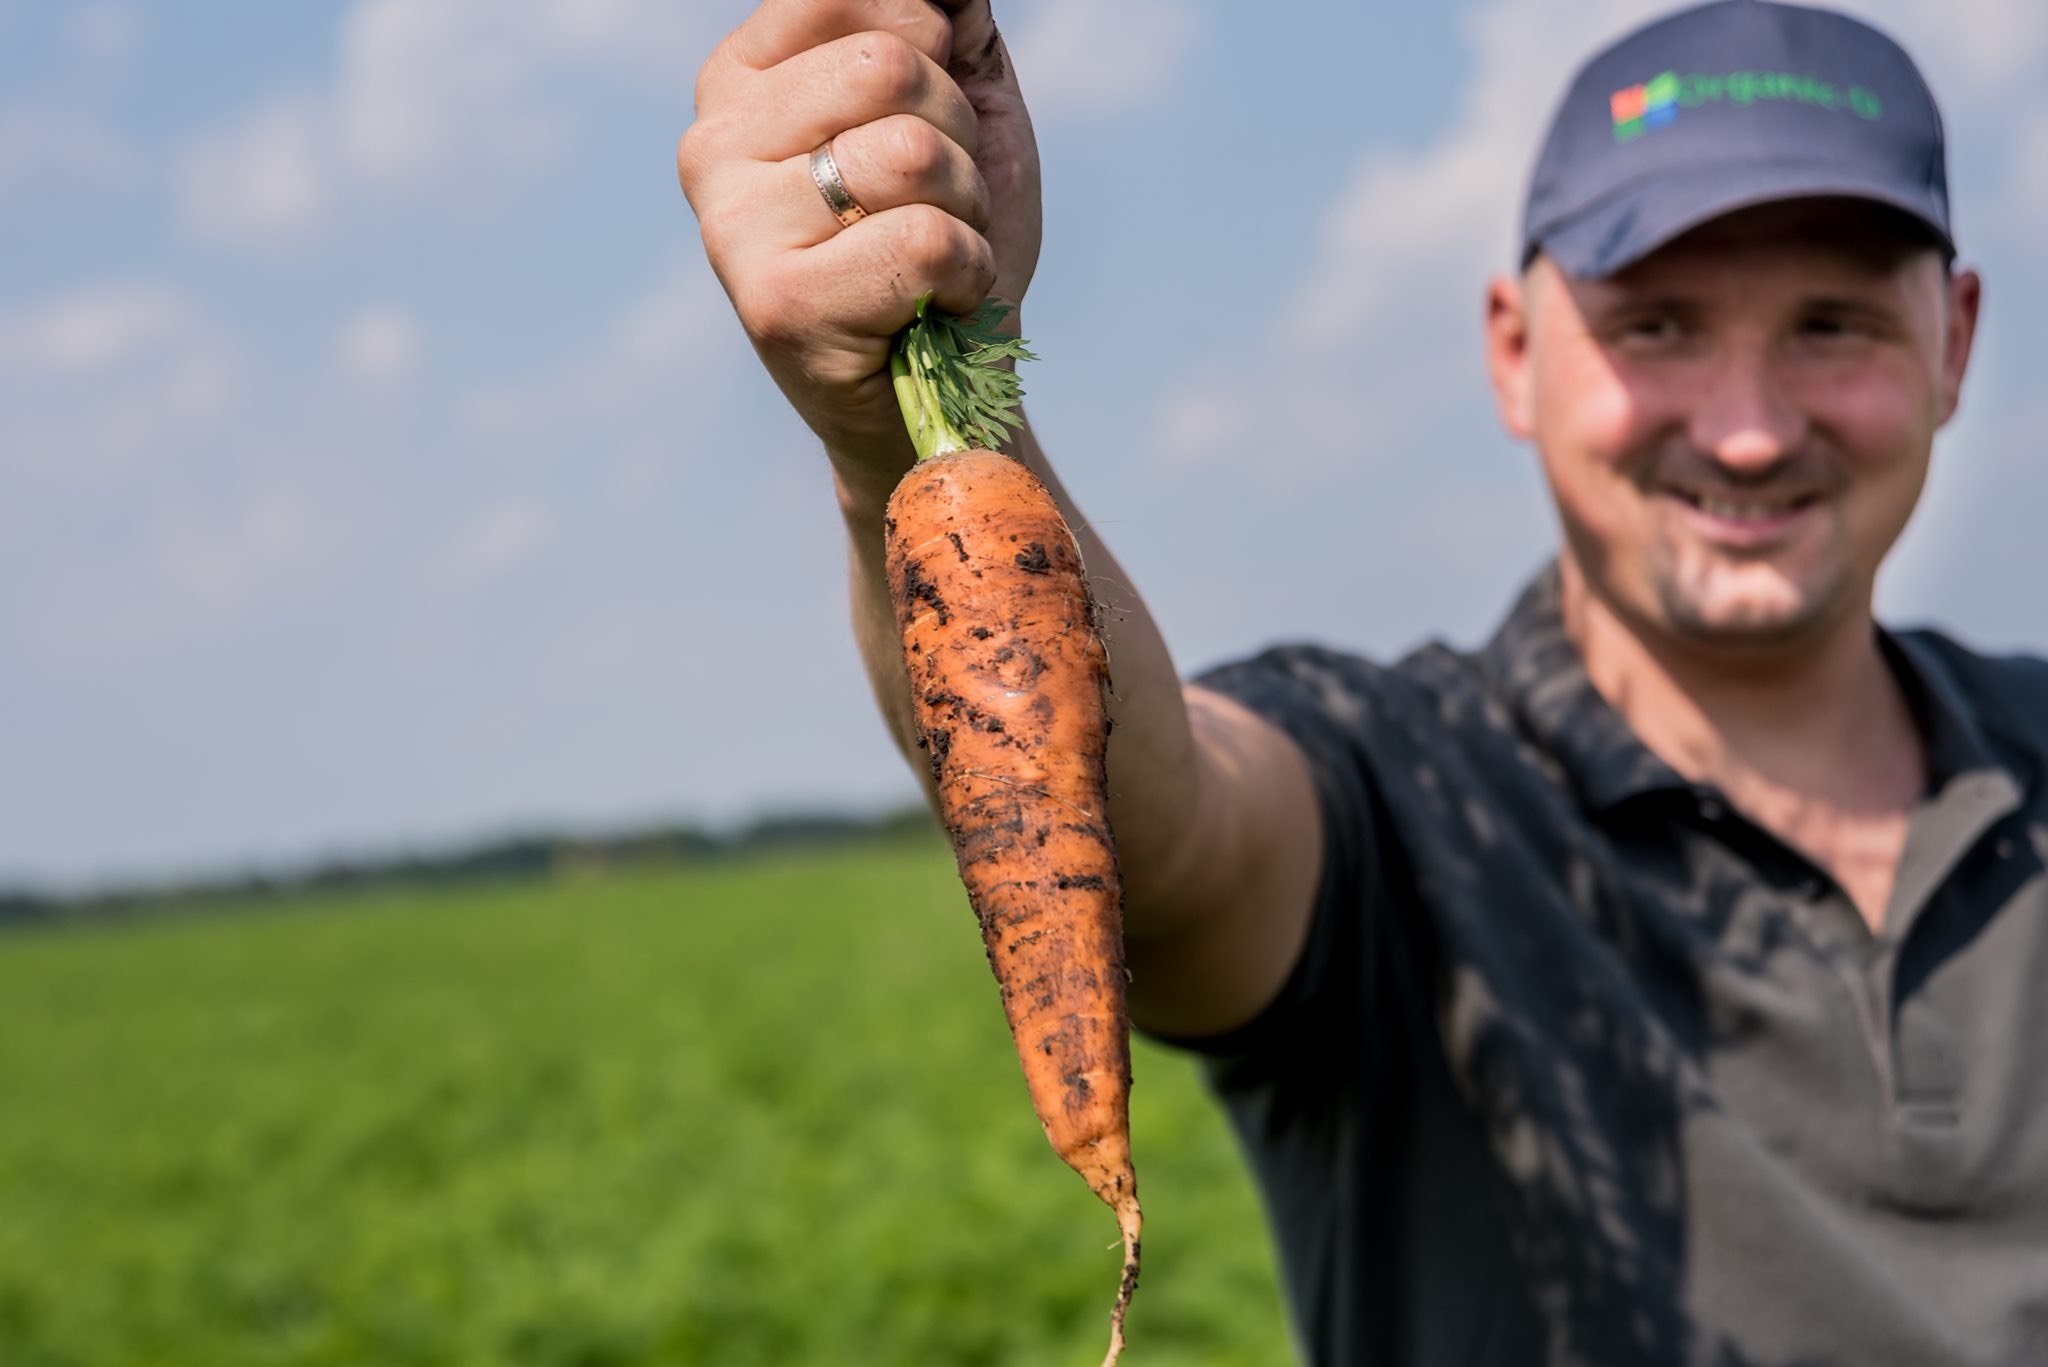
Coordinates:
(1737, 428)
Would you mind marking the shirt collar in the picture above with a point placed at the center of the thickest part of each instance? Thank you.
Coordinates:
(1544, 681)
(1958, 743)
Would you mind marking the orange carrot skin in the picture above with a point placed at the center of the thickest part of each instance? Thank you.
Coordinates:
(1010, 686)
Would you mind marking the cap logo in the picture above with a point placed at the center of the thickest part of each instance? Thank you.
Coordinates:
(1640, 109)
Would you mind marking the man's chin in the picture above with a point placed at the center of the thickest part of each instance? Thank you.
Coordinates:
(1747, 604)
(1755, 618)
(1746, 635)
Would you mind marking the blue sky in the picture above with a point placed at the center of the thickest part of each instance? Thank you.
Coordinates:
(380, 465)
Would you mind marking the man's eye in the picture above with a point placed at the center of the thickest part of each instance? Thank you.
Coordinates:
(1652, 328)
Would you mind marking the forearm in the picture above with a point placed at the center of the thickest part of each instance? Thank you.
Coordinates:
(1152, 763)
(1215, 830)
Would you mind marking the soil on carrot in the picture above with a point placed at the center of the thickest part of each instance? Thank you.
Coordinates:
(1033, 559)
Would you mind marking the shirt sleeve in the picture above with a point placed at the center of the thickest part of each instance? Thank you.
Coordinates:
(1323, 701)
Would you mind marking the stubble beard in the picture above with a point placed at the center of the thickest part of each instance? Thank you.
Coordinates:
(1700, 607)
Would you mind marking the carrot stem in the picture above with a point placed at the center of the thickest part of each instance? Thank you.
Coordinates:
(955, 379)
(930, 433)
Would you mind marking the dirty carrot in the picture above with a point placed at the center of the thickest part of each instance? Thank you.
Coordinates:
(1009, 682)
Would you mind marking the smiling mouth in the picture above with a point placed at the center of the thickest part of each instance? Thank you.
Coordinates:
(1745, 507)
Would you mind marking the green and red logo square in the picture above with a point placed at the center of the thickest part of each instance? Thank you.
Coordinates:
(1640, 108)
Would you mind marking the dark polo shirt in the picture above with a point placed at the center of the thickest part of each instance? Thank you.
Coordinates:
(1582, 1066)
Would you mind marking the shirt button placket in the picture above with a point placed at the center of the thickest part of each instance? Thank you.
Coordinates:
(1926, 1117)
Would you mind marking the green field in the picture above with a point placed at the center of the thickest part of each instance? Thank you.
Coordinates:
(753, 1112)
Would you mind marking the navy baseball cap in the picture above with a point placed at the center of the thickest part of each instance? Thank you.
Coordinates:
(1725, 106)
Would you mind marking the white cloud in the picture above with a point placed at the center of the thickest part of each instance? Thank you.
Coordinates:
(422, 85)
(429, 96)
(495, 541)
(1387, 314)
(170, 481)
(95, 380)
(186, 566)
(674, 338)
(108, 33)
(93, 329)
(1404, 224)
(1201, 420)
(1082, 58)
(1971, 49)
(379, 347)
(266, 178)
(221, 559)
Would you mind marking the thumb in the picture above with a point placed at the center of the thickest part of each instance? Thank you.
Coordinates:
(1008, 152)
(978, 58)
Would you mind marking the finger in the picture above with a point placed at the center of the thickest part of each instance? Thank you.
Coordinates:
(864, 284)
(1006, 149)
(824, 91)
(884, 165)
(917, 250)
(780, 29)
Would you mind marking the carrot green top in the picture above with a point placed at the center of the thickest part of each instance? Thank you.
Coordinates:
(955, 393)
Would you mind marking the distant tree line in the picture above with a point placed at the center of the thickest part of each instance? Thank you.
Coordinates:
(509, 858)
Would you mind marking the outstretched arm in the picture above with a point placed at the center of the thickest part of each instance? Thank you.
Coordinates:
(1215, 819)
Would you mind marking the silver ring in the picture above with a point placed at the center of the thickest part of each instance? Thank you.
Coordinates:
(825, 174)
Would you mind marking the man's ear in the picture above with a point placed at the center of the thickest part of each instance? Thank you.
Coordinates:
(1965, 300)
(1507, 354)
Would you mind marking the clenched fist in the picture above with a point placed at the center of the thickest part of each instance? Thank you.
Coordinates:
(931, 137)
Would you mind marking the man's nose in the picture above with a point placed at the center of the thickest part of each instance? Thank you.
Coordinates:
(1747, 418)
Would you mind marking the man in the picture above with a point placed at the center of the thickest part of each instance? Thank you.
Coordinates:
(1657, 983)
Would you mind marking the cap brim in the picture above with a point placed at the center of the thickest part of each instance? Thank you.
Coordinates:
(1615, 234)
